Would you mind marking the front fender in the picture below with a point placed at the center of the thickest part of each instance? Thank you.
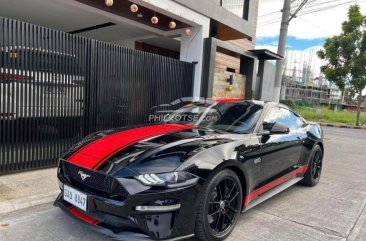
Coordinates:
(238, 155)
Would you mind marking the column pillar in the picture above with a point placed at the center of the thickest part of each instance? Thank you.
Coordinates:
(191, 50)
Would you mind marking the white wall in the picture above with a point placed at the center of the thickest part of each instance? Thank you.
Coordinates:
(191, 50)
(269, 71)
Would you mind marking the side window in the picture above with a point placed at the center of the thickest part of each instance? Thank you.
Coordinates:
(283, 116)
(240, 118)
(271, 118)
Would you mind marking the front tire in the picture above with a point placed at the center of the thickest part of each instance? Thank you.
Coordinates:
(220, 206)
(313, 173)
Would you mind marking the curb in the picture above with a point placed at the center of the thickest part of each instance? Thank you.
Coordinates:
(27, 202)
(342, 126)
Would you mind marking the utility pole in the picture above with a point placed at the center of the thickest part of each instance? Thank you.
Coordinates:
(286, 18)
(281, 49)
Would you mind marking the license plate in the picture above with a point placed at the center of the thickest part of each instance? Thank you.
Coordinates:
(75, 197)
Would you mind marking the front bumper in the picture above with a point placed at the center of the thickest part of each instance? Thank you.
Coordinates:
(132, 220)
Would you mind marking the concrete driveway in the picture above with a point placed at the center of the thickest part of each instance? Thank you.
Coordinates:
(333, 210)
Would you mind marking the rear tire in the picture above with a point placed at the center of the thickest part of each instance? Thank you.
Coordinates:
(313, 173)
(220, 206)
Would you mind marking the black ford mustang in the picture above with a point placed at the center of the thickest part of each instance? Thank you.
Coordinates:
(192, 175)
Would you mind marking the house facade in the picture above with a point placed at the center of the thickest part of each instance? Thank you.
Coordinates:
(69, 68)
(184, 29)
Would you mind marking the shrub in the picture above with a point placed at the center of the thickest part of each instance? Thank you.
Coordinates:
(289, 103)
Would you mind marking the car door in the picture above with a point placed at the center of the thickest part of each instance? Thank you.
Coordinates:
(281, 152)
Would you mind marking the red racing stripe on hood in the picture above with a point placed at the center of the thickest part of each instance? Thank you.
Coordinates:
(93, 155)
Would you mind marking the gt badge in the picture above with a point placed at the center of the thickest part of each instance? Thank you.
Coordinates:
(257, 161)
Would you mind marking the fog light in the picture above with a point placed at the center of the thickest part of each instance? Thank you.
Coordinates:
(154, 209)
(162, 202)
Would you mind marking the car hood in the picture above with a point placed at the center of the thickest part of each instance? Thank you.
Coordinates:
(146, 149)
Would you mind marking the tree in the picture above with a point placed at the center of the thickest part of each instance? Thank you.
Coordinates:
(345, 56)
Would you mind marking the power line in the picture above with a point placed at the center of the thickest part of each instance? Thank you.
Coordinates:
(311, 3)
(314, 25)
(279, 10)
(310, 9)
(298, 8)
(302, 4)
(328, 7)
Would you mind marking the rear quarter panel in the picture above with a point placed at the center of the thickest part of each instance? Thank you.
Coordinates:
(315, 137)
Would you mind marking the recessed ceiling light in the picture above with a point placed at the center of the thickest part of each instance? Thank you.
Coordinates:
(109, 3)
(140, 15)
(134, 8)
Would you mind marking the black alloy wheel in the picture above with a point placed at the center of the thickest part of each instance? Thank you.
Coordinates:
(312, 175)
(223, 205)
(316, 168)
(220, 207)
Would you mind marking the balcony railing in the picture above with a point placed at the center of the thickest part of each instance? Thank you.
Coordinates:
(238, 7)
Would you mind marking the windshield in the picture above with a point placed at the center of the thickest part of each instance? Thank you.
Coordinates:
(229, 117)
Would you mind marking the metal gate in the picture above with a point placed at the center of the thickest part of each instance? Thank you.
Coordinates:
(57, 88)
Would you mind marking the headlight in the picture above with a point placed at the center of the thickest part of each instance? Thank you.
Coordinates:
(171, 179)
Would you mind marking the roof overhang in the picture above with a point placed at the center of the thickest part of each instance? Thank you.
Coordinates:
(228, 21)
(265, 54)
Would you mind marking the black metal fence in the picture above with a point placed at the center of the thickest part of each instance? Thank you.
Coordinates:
(57, 88)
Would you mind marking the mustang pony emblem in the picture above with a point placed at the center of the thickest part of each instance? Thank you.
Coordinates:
(83, 175)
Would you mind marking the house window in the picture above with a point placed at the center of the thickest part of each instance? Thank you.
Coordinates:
(238, 7)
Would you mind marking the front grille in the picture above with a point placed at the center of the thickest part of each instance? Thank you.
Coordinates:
(98, 182)
(122, 191)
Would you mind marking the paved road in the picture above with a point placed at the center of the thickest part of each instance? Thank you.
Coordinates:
(333, 210)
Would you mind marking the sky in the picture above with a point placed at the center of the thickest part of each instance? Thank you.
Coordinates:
(308, 31)
(307, 26)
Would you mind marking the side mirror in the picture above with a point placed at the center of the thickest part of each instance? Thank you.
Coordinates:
(265, 135)
(279, 128)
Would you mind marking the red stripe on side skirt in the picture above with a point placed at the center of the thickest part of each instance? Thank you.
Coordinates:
(83, 216)
(93, 155)
(253, 195)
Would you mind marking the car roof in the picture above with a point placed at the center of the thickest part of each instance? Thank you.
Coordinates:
(235, 100)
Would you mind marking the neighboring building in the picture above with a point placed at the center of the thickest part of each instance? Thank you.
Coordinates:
(307, 75)
(308, 88)
(303, 84)
(216, 34)
(314, 94)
